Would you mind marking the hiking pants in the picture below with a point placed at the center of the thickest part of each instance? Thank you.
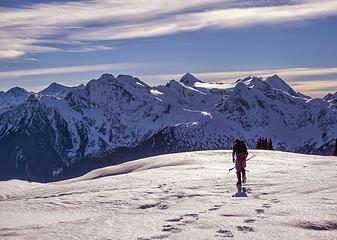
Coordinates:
(240, 165)
(240, 162)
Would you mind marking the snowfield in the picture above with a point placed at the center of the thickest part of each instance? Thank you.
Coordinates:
(180, 196)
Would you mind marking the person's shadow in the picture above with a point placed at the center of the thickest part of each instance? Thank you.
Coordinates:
(242, 192)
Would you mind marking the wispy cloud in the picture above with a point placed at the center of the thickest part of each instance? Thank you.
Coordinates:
(316, 88)
(64, 70)
(303, 83)
(89, 49)
(115, 20)
(230, 76)
(217, 18)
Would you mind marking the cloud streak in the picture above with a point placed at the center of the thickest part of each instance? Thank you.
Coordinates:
(116, 20)
(318, 87)
(230, 76)
(65, 70)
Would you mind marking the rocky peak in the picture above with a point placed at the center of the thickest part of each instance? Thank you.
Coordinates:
(277, 83)
(56, 90)
(330, 96)
(106, 77)
(189, 80)
(16, 92)
(13, 97)
(240, 88)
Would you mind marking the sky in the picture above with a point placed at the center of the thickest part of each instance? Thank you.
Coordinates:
(72, 42)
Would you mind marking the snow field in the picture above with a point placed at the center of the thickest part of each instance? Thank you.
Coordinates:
(180, 196)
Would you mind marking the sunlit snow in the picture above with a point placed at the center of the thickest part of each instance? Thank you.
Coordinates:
(180, 196)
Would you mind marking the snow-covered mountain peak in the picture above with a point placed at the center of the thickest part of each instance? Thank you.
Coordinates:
(249, 80)
(277, 83)
(122, 81)
(240, 88)
(13, 97)
(106, 77)
(53, 86)
(254, 82)
(113, 112)
(34, 99)
(179, 86)
(326, 97)
(128, 79)
(17, 92)
(56, 90)
(189, 80)
(330, 96)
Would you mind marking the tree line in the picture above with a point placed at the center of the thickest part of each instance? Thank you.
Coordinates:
(267, 144)
(264, 143)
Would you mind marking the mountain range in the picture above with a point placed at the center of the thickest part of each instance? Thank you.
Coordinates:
(63, 132)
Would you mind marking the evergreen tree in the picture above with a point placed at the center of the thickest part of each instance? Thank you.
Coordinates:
(29, 176)
(335, 151)
(265, 144)
(258, 144)
(270, 144)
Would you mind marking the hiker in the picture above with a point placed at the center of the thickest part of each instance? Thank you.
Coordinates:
(240, 154)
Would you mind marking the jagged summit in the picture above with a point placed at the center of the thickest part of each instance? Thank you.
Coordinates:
(273, 81)
(106, 77)
(119, 80)
(248, 80)
(276, 82)
(241, 88)
(13, 97)
(55, 89)
(16, 91)
(330, 96)
(189, 80)
(173, 84)
(131, 80)
(124, 114)
(253, 81)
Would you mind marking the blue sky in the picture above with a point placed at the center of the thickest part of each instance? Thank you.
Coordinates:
(71, 42)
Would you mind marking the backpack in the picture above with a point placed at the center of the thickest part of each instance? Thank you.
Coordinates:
(241, 147)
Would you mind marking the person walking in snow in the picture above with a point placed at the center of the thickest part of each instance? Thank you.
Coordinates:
(239, 155)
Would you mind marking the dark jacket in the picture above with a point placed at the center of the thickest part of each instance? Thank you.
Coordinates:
(243, 150)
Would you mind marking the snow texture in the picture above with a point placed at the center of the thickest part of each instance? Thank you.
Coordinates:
(180, 196)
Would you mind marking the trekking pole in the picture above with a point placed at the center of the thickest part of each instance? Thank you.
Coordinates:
(229, 170)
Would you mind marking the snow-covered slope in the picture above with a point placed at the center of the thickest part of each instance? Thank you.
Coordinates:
(180, 196)
(12, 97)
(108, 113)
(123, 114)
(254, 108)
(58, 90)
(330, 97)
(277, 83)
(190, 80)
